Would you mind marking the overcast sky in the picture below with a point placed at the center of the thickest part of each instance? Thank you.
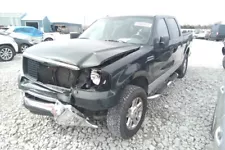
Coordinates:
(186, 11)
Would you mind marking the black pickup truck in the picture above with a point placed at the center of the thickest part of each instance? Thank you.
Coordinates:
(109, 71)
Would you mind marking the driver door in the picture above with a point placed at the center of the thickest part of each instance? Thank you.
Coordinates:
(163, 54)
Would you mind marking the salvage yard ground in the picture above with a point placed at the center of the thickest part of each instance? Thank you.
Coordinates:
(179, 120)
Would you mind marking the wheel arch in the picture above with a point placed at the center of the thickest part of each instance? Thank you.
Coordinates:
(48, 38)
(140, 79)
(10, 45)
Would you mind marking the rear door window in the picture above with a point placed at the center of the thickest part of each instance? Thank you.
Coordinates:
(173, 28)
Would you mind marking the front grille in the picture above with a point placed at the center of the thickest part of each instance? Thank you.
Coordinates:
(31, 67)
(46, 74)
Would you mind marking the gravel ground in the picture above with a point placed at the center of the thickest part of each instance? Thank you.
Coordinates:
(179, 120)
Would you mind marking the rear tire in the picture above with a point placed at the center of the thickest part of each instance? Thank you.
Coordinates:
(7, 53)
(125, 119)
(23, 47)
(48, 39)
(182, 70)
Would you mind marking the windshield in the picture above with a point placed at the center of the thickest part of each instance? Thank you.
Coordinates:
(125, 29)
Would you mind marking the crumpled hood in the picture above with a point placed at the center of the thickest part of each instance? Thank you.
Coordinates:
(80, 52)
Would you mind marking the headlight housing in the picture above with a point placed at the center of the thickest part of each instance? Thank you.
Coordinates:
(95, 77)
(100, 79)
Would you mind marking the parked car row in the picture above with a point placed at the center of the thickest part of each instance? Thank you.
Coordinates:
(200, 34)
(20, 37)
(216, 33)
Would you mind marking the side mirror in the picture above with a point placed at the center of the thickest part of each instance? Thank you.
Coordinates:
(161, 42)
(74, 35)
(164, 40)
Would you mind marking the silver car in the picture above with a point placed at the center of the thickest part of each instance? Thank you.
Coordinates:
(218, 125)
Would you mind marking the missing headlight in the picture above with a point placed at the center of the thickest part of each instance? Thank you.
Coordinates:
(66, 77)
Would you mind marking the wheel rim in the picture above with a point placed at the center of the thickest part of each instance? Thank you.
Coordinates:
(23, 48)
(134, 113)
(6, 53)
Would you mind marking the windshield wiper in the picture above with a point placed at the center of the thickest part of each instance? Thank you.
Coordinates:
(83, 38)
(115, 41)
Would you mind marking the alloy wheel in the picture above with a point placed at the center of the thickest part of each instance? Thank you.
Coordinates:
(6, 54)
(23, 48)
(134, 113)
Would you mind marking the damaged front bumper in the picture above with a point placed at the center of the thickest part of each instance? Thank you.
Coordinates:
(44, 100)
(65, 115)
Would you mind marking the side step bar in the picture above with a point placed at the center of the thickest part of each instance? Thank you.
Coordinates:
(167, 84)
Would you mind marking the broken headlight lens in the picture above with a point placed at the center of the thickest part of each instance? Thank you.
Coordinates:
(95, 77)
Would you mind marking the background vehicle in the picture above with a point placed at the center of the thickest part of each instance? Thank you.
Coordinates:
(8, 48)
(31, 33)
(110, 70)
(25, 32)
(218, 32)
(218, 125)
(207, 35)
(23, 44)
(199, 34)
(223, 52)
(3, 29)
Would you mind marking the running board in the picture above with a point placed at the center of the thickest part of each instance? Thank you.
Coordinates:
(168, 84)
(154, 96)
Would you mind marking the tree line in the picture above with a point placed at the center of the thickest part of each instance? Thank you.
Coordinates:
(196, 26)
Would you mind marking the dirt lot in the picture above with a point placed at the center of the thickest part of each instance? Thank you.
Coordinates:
(179, 120)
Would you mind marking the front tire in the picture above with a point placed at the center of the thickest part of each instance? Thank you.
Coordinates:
(7, 53)
(223, 62)
(182, 70)
(125, 119)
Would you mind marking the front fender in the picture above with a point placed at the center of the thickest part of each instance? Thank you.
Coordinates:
(127, 68)
(127, 74)
(141, 73)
